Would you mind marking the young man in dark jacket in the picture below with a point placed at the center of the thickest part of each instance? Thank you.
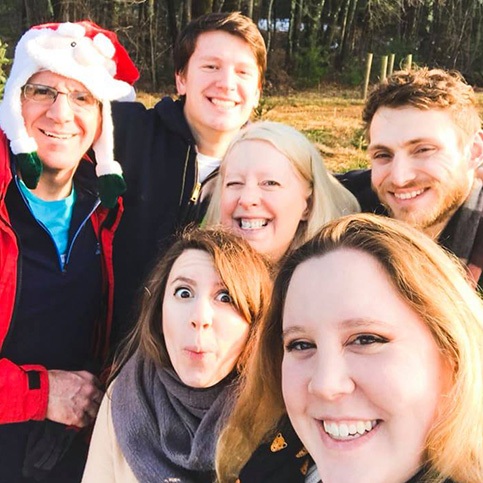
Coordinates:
(58, 215)
(171, 152)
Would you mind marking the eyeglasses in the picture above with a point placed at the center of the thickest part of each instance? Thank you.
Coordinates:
(48, 95)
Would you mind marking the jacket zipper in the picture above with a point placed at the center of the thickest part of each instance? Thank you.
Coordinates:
(184, 174)
(196, 192)
(76, 234)
(199, 186)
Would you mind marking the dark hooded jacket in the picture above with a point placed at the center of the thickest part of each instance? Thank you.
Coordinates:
(158, 155)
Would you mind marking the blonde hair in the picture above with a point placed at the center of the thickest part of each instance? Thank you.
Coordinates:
(435, 286)
(328, 199)
(243, 271)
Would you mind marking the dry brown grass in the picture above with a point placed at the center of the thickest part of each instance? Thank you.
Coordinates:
(332, 123)
(330, 117)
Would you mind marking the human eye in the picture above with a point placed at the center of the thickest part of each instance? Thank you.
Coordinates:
(246, 72)
(210, 66)
(367, 340)
(381, 156)
(39, 92)
(270, 183)
(224, 297)
(298, 345)
(425, 149)
(183, 293)
(233, 183)
(83, 99)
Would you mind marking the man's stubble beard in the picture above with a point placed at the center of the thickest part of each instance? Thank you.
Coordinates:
(447, 205)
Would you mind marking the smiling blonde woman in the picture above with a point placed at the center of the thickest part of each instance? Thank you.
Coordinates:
(274, 190)
(373, 346)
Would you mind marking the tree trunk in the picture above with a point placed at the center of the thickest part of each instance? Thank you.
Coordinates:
(289, 50)
(186, 13)
(346, 31)
(172, 24)
(218, 5)
(247, 8)
(200, 7)
(152, 42)
(231, 5)
(36, 12)
(269, 24)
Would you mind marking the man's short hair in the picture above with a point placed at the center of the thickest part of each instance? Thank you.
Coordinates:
(427, 89)
(233, 23)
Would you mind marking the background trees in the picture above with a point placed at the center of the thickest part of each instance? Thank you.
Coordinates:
(309, 40)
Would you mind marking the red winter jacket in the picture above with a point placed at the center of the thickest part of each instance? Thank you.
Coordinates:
(17, 401)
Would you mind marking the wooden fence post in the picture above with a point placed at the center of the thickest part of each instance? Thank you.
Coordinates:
(383, 67)
(368, 74)
(409, 62)
(390, 68)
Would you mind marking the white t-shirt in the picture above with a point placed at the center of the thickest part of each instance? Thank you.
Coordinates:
(206, 165)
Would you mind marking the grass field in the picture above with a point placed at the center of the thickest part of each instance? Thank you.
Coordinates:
(330, 117)
(331, 122)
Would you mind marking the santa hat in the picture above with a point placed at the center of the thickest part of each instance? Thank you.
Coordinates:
(82, 51)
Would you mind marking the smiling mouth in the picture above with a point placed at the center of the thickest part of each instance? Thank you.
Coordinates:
(225, 104)
(252, 224)
(409, 195)
(57, 135)
(348, 431)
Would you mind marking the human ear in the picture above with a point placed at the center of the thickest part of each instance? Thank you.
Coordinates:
(308, 208)
(476, 153)
(180, 83)
(256, 97)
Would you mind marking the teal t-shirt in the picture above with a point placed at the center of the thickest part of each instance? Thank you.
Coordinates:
(54, 215)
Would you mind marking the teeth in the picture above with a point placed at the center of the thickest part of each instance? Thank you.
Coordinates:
(348, 431)
(252, 224)
(408, 196)
(58, 136)
(223, 103)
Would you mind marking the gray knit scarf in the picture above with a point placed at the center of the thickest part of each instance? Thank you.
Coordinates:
(166, 430)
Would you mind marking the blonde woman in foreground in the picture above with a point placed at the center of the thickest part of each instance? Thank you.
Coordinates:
(274, 190)
(373, 347)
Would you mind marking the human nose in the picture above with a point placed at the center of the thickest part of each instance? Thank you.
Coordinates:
(249, 196)
(402, 170)
(226, 79)
(331, 377)
(60, 110)
(202, 314)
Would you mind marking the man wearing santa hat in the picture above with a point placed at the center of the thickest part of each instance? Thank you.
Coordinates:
(58, 215)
